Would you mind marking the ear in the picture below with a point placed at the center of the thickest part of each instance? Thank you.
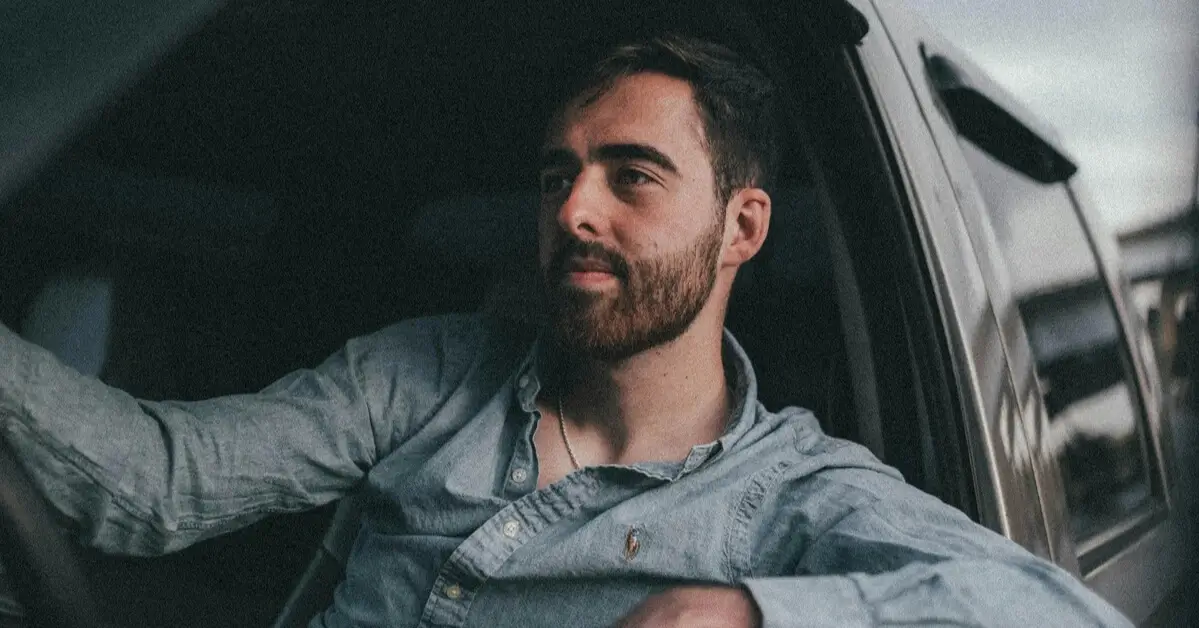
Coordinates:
(747, 220)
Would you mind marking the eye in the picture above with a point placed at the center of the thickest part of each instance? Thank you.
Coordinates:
(554, 182)
(632, 177)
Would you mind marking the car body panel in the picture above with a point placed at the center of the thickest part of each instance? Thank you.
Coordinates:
(909, 35)
(998, 448)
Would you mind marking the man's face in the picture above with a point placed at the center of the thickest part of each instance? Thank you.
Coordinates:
(630, 232)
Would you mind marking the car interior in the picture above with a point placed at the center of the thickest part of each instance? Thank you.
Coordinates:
(292, 175)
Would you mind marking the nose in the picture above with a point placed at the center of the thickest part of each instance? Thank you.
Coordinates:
(582, 212)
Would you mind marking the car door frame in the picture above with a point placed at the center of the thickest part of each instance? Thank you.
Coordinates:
(1000, 459)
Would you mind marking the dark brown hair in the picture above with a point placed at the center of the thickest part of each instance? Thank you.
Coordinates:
(736, 102)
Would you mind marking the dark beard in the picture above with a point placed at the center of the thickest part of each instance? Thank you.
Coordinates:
(656, 302)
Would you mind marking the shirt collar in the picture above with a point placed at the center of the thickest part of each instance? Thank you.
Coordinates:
(743, 395)
(743, 391)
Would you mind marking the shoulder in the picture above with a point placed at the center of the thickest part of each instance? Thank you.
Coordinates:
(831, 480)
(815, 483)
(800, 448)
(800, 467)
(416, 363)
(409, 369)
(446, 340)
(430, 331)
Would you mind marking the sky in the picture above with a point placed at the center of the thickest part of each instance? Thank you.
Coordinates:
(1118, 79)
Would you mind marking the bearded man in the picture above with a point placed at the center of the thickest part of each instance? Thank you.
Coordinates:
(613, 468)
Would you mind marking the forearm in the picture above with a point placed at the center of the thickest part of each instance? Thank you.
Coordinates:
(949, 593)
(142, 478)
(863, 548)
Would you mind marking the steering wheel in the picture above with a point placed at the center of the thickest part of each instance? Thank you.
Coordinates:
(43, 564)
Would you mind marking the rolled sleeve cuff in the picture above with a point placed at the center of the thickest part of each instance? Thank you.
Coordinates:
(810, 602)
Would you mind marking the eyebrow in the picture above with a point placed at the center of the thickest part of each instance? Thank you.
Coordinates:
(611, 152)
(635, 152)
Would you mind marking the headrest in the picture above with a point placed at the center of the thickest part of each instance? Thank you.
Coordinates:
(474, 231)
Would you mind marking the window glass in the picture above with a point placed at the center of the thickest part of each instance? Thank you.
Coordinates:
(1082, 366)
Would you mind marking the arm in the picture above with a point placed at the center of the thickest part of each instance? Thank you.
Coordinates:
(905, 558)
(141, 477)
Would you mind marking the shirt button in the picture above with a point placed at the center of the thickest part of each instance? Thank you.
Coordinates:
(519, 476)
(511, 528)
(453, 591)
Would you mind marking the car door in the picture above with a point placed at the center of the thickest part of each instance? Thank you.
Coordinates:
(1088, 399)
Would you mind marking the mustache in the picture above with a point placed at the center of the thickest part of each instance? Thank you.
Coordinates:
(578, 249)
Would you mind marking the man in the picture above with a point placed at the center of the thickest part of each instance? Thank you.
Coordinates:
(616, 468)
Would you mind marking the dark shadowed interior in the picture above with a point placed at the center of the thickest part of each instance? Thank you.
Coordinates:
(295, 174)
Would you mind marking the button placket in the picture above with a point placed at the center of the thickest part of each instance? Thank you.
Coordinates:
(449, 602)
(522, 463)
(483, 553)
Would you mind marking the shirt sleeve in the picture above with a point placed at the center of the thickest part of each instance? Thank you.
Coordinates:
(140, 477)
(907, 559)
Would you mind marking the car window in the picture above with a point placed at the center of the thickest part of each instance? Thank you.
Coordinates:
(1096, 431)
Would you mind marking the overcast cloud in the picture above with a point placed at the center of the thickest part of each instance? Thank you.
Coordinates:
(1118, 79)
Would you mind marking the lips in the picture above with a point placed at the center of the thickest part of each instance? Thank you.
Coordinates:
(588, 273)
(580, 262)
(588, 265)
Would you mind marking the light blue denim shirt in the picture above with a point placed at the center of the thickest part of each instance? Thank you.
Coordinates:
(433, 421)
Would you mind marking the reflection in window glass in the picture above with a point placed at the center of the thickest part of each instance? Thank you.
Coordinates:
(1082, 366)
(1167, 305)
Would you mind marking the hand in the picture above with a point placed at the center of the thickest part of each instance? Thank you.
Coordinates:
(696, 607)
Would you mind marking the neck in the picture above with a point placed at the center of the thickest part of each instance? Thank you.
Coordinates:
(655, 405)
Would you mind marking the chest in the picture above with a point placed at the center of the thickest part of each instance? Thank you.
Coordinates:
(582, 551)
(594, 522)
(494, 488)
(455, 525)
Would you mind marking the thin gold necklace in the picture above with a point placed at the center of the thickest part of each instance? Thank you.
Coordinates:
(565, 440)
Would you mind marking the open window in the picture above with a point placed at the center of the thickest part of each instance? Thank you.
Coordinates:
(897, 394)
